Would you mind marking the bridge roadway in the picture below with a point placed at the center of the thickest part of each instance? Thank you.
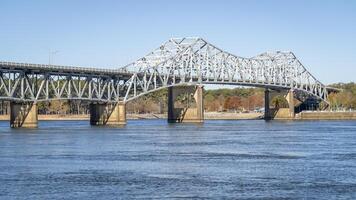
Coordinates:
(59, 69)
(183, 65)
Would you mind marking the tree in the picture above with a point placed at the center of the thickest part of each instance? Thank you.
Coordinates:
(232, 103)
(280, 102)
(346, 99)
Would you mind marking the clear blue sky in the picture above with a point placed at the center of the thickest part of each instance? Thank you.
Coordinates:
(113, 33)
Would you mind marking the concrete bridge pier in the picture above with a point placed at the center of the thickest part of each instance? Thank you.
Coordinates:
(280, 113)
(23, 115)
(108, 114)
(187, 113)
(267, 115)
(291, 104)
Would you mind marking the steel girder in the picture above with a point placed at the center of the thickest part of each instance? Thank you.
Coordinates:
(195, 61)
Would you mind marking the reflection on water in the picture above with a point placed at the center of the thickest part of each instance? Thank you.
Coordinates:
(153, 159)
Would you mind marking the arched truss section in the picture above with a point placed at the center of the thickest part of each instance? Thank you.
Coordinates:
(195, 61)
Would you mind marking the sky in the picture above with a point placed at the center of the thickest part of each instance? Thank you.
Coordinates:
(111, 34)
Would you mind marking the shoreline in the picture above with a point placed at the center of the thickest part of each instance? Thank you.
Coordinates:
(207, 115)
(318, 115)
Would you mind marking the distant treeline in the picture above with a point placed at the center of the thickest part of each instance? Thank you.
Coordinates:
(233, 100)
(346, 99)
(228, 100)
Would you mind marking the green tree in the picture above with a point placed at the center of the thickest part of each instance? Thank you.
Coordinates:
(279, 102)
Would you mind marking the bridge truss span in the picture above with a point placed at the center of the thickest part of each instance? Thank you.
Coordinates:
(179, 61)
(46, 84)
(195, 61)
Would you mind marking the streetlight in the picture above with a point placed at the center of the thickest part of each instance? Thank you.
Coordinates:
(50, 53)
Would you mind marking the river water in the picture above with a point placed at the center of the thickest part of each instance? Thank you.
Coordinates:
(147, 159)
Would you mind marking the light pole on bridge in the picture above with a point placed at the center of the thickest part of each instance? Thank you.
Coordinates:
(50, 53)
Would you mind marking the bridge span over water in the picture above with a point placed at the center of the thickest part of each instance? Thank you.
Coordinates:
(180, 64)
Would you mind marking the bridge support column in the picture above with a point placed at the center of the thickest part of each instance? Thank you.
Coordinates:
(290, 99)
(267, 109)
(23, 115)
(188, 113)
(122, 112)
(105, 114)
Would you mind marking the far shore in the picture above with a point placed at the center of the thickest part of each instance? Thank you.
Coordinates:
(305, 115)
(207, 115)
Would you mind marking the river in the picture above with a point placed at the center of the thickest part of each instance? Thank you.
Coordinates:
(220, 159)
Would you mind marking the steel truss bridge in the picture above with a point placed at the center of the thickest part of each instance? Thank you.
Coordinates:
(179, 61)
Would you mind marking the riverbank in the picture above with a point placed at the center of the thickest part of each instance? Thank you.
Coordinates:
(327, 115)
(305, 115)
(207, 115)
(53, 117)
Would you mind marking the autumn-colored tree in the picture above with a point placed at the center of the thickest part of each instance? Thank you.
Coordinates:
(256, 101)
(232, 103)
